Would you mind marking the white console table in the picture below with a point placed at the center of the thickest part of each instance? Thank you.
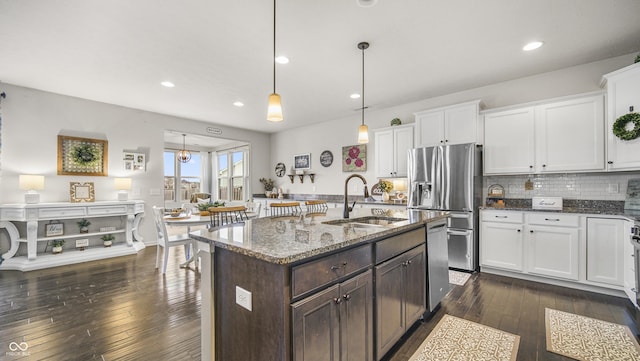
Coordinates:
(31, 220)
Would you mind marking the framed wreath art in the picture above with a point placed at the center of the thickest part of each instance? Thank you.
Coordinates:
(82, 156)
(620, 126)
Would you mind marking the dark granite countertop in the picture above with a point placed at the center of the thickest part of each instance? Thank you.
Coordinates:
(611, 208)
(285, 240)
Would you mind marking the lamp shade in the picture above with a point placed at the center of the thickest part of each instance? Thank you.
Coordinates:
(122, 184)
(363, 134)
(274, 112)
(400, 185)
(31, 182)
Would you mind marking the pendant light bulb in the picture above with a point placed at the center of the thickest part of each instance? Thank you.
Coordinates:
(184, 156)
(274, 112)
(274, 109)
(363, 130)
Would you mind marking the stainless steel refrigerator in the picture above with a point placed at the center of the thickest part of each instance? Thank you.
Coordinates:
(449, 178)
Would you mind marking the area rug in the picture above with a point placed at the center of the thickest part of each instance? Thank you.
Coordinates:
(458, 278)
(458, 339)
(588, 339)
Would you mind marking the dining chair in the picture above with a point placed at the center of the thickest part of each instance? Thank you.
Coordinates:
(227, 215)
(196, 196)
(285, 208)
(253, 209)
(166, 241)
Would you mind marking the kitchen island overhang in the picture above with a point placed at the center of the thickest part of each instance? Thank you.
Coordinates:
(252, 274)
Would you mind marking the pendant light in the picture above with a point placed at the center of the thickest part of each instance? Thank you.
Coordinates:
(274, 111)
(363, 130)
(184, 155)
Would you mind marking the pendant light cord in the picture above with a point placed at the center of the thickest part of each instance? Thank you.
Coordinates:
(274, 46)
(363, 85)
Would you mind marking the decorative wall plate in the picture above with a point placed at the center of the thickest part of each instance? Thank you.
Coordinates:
(326, 158)
(281, 169)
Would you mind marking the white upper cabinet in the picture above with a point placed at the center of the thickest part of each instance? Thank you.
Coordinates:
(454, 124)
(508, 141)
(570, 135)
(550, 137)
(391, 150)
(623, 90)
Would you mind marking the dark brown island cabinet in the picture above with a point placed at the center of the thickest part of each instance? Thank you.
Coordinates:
(351, 303)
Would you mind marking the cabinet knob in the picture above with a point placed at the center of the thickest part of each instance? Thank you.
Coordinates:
(446, 140)
(346, 297)
(609, 162)
(518, 230)
(531, 231)
(441, 141)
(337, 300)
(530, 167)
(544, 165)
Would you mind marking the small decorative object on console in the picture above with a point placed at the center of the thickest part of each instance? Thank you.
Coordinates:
(56, 246)
(54, 228)
(84, 225)
(107, 240)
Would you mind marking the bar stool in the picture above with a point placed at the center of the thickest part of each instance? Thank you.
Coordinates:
(316, 206)
(283, 209)
(227, 215)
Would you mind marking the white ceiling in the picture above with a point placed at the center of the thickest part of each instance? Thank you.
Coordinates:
(217, 52)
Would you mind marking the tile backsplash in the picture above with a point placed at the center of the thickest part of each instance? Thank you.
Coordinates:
(596, 186)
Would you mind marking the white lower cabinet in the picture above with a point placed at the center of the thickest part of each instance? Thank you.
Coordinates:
(501, 240)
(585, 251)
(606, 240)
(553, 245)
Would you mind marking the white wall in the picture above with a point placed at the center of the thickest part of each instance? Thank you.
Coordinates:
(32, 119)
(334, 134)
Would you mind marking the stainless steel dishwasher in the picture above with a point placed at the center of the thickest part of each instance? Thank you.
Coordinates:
(437, 263)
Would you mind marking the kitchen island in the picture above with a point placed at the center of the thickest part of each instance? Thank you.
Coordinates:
(298, 288)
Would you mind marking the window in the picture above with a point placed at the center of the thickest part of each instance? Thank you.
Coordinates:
(232, 174)
(188, 173)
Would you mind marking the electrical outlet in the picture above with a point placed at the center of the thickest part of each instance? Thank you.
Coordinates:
(243, 298)
(613, 188)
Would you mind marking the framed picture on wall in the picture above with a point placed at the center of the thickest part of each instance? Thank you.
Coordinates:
(302, 161)
(82, 156)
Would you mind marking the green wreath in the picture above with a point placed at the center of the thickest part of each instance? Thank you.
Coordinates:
(619, 127)
(85, 154)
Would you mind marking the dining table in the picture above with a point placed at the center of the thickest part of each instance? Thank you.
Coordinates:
(187, 221)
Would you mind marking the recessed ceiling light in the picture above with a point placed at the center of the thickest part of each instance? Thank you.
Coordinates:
(238, 104)
(282, 59)
(355, 96)
(366, 3)
(168, 84)
(532, 45)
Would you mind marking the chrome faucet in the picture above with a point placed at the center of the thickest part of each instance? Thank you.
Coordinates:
(348, 209)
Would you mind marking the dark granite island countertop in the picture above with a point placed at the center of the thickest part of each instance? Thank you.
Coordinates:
(246, 275)
(286, 240)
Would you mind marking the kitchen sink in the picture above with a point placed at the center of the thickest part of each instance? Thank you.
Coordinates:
(371, 221)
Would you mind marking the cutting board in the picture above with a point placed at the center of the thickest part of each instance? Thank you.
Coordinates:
(632, 202)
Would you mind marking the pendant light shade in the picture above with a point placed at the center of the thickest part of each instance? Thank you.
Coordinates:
(184, 155)
(363, 130)
(363, 134)
(274, 110)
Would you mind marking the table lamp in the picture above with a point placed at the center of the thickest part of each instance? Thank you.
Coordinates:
(123, 185)
(31, 183)
(400, 185)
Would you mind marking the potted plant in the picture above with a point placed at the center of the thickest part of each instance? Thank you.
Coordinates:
(268, 186)
(385, 187)
(204, 208)
(56, 246)
(84, 225)
(107, 240)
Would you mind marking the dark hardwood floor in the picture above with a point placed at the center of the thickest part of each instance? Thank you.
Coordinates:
(124, 309)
